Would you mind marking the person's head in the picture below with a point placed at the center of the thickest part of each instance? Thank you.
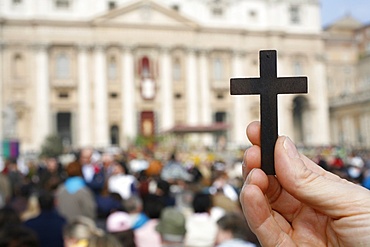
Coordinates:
(79, 231)
(133, 204)
(74, 169)
(8, 217)
(85, 155)
(51, 164)
(153, 205)
(163, 188)
(18, 236)
(107, 159)
(46, 201)
(118, 222)
(119, 225)
(234, 226)
(202, 203)
(105, 240)
(118, 169)
(171, 225)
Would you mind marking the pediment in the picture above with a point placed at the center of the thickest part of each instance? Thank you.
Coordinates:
(145, 13)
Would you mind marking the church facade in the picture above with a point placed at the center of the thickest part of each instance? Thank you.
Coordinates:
(348, 62)
(102, 73)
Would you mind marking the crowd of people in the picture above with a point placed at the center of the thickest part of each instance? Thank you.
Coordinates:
(122, 199)
(136, 199)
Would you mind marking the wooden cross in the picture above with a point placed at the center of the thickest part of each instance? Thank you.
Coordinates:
(268, 86)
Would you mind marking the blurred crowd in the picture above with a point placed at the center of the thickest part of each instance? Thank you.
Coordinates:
(138, 198)
(124, 198)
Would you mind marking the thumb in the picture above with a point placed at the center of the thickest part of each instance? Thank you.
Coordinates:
(312, 185)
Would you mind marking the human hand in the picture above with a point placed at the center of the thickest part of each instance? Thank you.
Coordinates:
(303, 205)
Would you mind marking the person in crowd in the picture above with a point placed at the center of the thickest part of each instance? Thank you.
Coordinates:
(16, 178)
(222, 203)
(8, 217)
(174, 171)
(105, 240)
(5, 190)
(355, 168)
(79, 231)
(134, 207)
(146, 234)
(32, 209)
(303, 204)
(51, 176)
(171, 226)
(143, 222)
(122, 183)
(233, 231)
(18, 236)
(108, 163)
(221, 183)
(201, 228)
(49, 224)
(92, 170)
(119, 225)
(73, 197)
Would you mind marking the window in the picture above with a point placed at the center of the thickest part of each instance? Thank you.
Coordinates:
(217, 11)
(112, 5)
(217, 69)
(176, 69)
(62, 4)
(114, 135)
(220, 96)
(18, 66)
(252, 13)
(220, 117)
(113, 95)
(297, 66)
(16, 2)
(175, 7)
(144, 69)
(112, 68)
(295, 17)
(62, 66)
(63, 95)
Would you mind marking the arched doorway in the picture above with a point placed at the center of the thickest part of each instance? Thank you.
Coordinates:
(300, 123)
(114, 135)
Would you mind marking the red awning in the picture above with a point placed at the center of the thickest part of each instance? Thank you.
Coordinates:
(183, 129)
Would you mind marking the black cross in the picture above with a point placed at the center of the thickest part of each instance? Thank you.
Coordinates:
(268, 86)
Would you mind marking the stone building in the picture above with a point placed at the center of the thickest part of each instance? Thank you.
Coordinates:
(348, 62)
(102, 72)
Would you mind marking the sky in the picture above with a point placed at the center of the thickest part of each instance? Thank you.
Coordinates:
(332, 10)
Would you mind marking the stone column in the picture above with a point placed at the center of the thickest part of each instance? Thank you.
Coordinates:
(191, 88)
(100, 98)
(129, 118)
(167, 117)
(321, 135)
(240, 114)
(42, 102)
(84, 98)
(285, 101)
(205, 107)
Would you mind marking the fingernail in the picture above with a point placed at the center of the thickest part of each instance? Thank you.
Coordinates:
(290, 148)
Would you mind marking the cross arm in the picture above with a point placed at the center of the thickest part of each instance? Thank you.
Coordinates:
(289, 85)
(242, 86)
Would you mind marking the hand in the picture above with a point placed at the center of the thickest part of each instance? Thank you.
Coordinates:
(303, 205)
